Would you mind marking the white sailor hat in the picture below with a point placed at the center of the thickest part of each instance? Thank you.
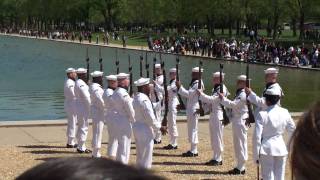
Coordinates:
(81, 70)
(271, 71)
(142, 81)
(274, 92)
(111, 77)
(123, 76)
(242, 78)
(70, 70)
(217, 74)
(196, 69)
(173, 70)
(96, 74)
(157, 65)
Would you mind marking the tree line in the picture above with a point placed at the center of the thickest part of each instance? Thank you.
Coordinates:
(47, 15)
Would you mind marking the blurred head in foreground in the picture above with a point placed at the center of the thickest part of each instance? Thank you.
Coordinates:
(305, 156)
(85, 169)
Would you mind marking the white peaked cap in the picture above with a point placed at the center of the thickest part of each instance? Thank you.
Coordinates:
(242, 78)
(70, 70)
(157, 65)
(217, 74)
(123, 76)
(173, 70)
(196, 69)
(142, 81)
(81, 70)
(271, 71)
(96, 74)
(111, 77)
(274, 92)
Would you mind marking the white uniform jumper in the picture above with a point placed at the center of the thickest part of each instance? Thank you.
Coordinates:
(268, 143)
(70, 108)
(238, 118)
(143, 129)
(124, 116)
(109, 104)
(83, 110)
(158, 109)
(97, 113)
(215, 124)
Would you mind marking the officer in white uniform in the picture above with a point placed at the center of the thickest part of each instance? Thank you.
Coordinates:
(124, 115)
(271, 75)
(192, 111)
(173, 102)
(159, 82)
(269, 147)
(83, 109)
(215, 120)
(238, 118)
(109, 110)
(145, 121)
(97, 112)
(70, 107)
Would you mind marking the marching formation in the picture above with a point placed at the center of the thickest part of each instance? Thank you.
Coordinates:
(151, 112)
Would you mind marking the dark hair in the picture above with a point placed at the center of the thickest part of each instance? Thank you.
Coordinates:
(85, 169)
(305, 156)
(272, 99)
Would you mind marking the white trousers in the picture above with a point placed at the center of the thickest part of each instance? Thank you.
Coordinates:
(123, 136)
(157, 132)
(192, 122)
(112, 140)
(216, 137)
(70, 108)
(83, 112)
(273, 167)
(97, 129)
(144, 142)
(239, 132)
(172, 126)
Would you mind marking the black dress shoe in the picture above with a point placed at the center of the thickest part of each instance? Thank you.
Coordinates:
(190, 154)
(170, 147)
(87, 151)
(236, 171)
(156, 142)
(213, 163)
(72, 146)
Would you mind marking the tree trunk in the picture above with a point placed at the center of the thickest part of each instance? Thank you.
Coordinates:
(294, 27)
(301, 36)
(269, 27)
(238, 27)
(230, 27)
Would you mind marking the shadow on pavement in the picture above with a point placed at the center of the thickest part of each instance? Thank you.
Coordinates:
(177, 163)
(40, 146)
(199, 172)
(49, 152)
(168, 155)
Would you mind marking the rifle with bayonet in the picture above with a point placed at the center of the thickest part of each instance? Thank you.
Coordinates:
(154, 78)
(201, 111)
(141, 61)
(181, 105)
(100, 60)
(88, 65)
(225, 120)
(147, 65)
(250, 119)
(117, 62)
(166, 98)
(130, 74)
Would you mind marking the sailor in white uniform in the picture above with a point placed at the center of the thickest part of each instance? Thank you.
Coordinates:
(97, 112)
(215, 120)
(160, 95)
(83, 109)
(173, 102)
(192, 111)
(271, 75)
(70, 107)
(145, 121)
(239, 114)
(109, 110)
(124, 115)
(269, 147)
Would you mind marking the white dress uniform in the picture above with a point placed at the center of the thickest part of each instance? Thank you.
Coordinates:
(158, 109)
(109, 104)
(192, 116)
(173, 102)
(97, 113)
(268, 143)
(238, 118)
(83, 111)
(143, 127)
(124, 115)
(215, 124)
(70, 108)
